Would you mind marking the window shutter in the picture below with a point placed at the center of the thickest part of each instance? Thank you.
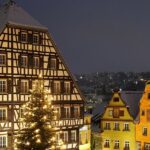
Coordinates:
(71, 87)
(18, 86)
(30, 38)
(62, 112)
(81, 111)
(41, 62)
(40, 40)
(62, 87)
(72, 112)
(19, 36)
(30, 57)
(9, 117)
(9, 86)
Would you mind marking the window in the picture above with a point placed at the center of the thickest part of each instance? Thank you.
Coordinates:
(144, 131)
(35, 62)
(110, 113)
(126, 127)
(35, 39)
(148, 96)
(76, 112)
(107, 126)
(116, 99)
(143, 112)
(116, 126)
(106, 144)
(147, 146)
(53, 63)
(73, 135)
(23, 37)
(57, 87)
(127, 145)
(67, 87)
(57, 110)
(116, 113)
(116, 146)
(3, 86)
(21, 112)
(66, 112)
(148, 115)
(3, 114)
(24, 61)
(24, 86)
(3, 141)
(2, 59)
(65, 136)
(138, 145)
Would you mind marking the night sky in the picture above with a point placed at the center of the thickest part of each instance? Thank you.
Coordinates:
(97, 35)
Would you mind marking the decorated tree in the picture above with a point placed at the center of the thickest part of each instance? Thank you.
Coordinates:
(38, 132)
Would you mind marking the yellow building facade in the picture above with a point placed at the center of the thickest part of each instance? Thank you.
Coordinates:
(117, 125)
(143, 125)
(85, 134)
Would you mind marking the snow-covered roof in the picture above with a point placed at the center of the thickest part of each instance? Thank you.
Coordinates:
(13, 14)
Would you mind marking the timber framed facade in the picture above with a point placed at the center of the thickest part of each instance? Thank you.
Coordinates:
(27, 50)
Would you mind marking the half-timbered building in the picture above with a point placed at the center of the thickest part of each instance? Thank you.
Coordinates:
(27, 50)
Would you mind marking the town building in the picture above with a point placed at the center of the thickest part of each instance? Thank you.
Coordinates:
(117, 123)
(143, 121)
(27, 50)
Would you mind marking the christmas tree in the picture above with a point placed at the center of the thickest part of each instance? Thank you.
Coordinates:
(39, 115)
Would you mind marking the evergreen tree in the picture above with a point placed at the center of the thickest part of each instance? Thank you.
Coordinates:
(38, 133)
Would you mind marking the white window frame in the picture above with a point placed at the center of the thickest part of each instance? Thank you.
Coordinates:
(23, 37)
(147, 146)
(2, 145)
(2, 59)
(36, 62)
(127, 144)
(117, 144)
(111, 113)
(24, 61)
(73, 134)
(3, 118)
(67, 87)
(24, 86)
(57, 87)
(107, 125)
(126, 127)
(67, 113)
(116, 124)
(107, 143)
(3, 87)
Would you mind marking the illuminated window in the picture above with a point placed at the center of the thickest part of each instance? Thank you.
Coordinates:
(35, 39)
(127, 145)
(106, 144)
(35, 62)
(107, 126)
(24, 61)
(147, 146)
(126, 127)
(76, 112)
(110, 113)
(57, 88)
(144, 132)
(67, 87)
(3, 114)
(3, 86)
(2, 59)
(116, 126)
(53, 64)
(24, 86)
(3, 141)
(66, 112)
(116, 145)
(73, 135)
(23, 37)
(65, 139)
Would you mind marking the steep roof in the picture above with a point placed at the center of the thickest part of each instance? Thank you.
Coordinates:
(11, 13)
(132, 99)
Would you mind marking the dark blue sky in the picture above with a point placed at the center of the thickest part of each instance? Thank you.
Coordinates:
(97, 35)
